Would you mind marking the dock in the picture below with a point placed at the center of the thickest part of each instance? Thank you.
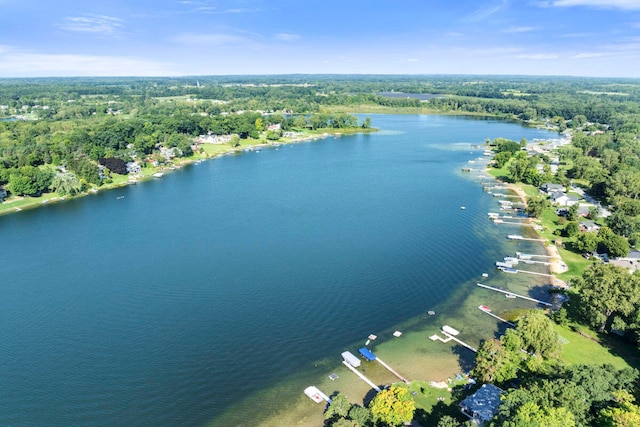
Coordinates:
(535, 274)
(529, 256)
(518, 237)
(393, 371)
(368, 355)
(362, 377)
(497, 317)
(516, 295)
(449, 333)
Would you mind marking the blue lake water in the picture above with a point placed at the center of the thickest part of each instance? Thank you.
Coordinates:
(193, 292)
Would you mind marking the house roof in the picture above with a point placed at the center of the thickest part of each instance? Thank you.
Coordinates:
(483, 404)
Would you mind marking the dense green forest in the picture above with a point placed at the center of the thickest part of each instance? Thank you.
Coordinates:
(69, 135)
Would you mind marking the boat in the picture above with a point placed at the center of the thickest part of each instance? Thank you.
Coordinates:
(501, 265)
(158, 175)
(350, 359)
(431, 313)
(462, 207)
(316, 395)
(515, 237)
(511, 260)
(449, 330)
(510, 270)
(484, 308)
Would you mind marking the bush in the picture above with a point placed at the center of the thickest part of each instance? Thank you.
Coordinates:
(114, 165)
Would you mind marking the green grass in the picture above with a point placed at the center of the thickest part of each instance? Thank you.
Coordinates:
(426, 396)
(587, 350)
(27, 202)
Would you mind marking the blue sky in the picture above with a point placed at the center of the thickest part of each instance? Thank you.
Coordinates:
(205, 37)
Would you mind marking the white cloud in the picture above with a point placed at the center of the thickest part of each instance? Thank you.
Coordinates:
(486, 11)
(15, 63)
(603, 4)
(538, 56)
(287, 37)
(212, 39)
(586, 55)
(94, 24)
(512, 30)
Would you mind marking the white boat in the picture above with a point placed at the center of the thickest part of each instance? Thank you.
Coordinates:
(449, 330)
(351, 359)
(484, 308)
(315, 394)
(158, 175)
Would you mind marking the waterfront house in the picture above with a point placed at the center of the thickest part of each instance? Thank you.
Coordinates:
(587, 225)
(550, 188)
(133, 167)
(559, 198)
(482, 405)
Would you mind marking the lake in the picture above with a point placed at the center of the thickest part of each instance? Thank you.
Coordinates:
(212, 295)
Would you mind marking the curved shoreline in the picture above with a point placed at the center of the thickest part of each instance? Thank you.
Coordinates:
(13, 204)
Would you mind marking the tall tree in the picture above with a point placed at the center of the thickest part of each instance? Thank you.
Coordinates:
(393, 406)
(603, 292)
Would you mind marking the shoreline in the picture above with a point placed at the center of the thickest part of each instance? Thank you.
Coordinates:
(424, 362)
(13, 204)
(557, 264)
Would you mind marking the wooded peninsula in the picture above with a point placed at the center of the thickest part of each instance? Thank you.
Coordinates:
(65, 137)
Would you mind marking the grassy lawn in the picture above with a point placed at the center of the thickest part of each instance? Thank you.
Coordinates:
(581, 349)
(27, 202)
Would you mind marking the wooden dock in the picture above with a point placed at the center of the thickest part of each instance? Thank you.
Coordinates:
(497, 317)
(535, 274)
(529, 256)
(390, 369)
(517, 237)
(517, 295)
(362, 377)
(450, 337)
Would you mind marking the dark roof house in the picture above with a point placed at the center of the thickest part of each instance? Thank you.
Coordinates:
(483, 404)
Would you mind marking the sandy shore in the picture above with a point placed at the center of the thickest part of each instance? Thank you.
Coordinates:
(557, 265)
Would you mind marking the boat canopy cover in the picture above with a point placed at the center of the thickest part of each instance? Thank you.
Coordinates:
(367, 354)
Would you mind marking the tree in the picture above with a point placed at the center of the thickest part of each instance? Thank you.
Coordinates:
(572, 212)
(362, 416)
(532, 415)
(536, 205)
(114, 165)
(366, 123)
(586, 242)
(30, 180)
(603, 292)
(571, 229)
(338, 408)
(393, 406)
(537, 333)
(448, 421)
(259, 124)
(625, 414)
(502, 158)
(494, 362)
(611, 243)
(66, 183)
